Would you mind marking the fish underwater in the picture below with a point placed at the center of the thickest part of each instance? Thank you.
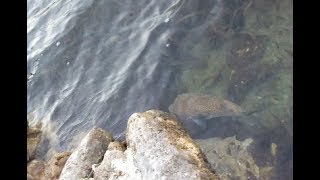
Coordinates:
(197, 108)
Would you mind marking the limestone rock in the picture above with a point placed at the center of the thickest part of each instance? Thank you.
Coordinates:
(89, 152)
(230, 158)
(157, 148)
(106, 170)
(29, 177)
(35, 170)
(33, 140)
(56, 164)
(116, 146)
(40, 170)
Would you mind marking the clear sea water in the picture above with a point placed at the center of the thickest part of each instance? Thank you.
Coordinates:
(95, 62)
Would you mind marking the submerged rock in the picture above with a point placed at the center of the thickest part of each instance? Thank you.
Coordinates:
(247, 70)
(231, 159)
(244, 79)
(157, 148)
(246, 49)
(226, 18)
(273, 149)
(89, 152)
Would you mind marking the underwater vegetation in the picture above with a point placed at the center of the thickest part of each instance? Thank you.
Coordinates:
(250, 64)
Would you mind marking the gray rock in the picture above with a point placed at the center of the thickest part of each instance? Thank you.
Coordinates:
(230, 158)
(157, 148)
(89, 152)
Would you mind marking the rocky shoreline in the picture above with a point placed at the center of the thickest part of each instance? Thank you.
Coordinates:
(156, 147)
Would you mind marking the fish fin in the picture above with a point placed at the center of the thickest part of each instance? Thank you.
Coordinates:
(248, 113)
(201, 123)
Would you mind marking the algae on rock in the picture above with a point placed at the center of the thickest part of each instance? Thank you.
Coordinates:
(231, 159)
(157, 148)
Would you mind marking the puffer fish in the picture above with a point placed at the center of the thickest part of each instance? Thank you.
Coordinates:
(197, 107)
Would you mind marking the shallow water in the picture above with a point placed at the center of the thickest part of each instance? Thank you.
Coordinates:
(94, 63)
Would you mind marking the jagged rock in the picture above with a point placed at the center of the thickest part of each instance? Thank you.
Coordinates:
(35, 170)
(89, 152)
(157, 148)
(33, 140)
(106, 170)
(40, 170)
(56, 164)
(230, 158)
(116, 146)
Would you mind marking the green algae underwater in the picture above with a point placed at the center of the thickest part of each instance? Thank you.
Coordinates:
(252, 66)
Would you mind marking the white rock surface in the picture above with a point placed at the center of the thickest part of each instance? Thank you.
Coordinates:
(89, 152)
(158, 148)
